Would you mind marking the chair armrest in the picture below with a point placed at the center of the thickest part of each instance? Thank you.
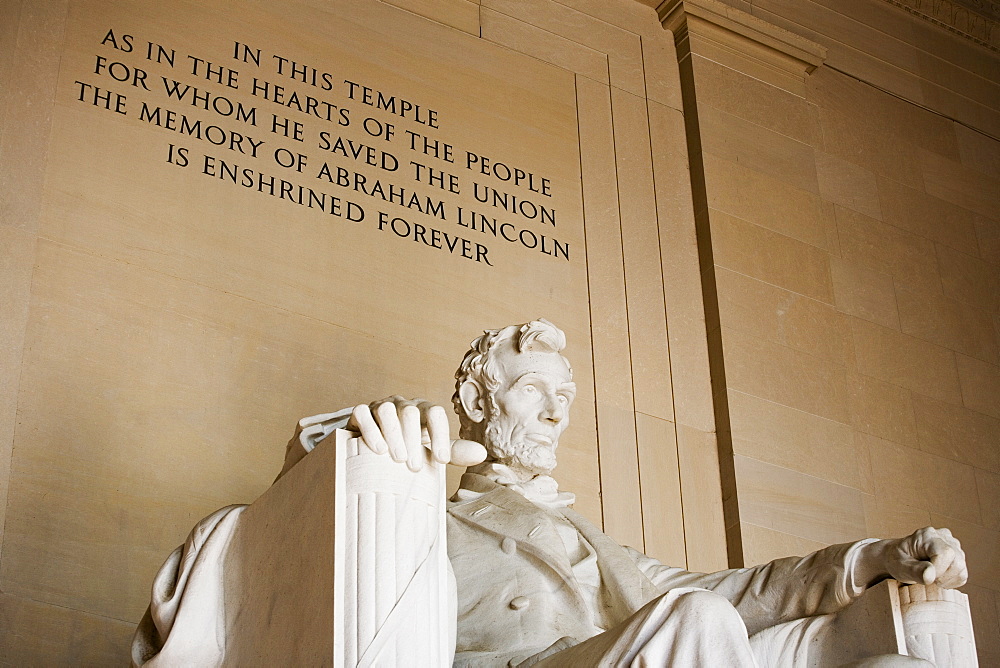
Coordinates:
(927, 622)
(937, 625)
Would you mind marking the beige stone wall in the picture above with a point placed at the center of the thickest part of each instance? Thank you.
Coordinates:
(853, 216)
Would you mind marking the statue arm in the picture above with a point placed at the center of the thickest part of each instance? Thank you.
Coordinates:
(772, 593)
(823, 582)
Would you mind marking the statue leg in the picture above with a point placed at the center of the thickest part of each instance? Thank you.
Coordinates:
(682, 628)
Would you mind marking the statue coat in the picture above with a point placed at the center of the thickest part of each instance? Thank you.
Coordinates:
(517, 594)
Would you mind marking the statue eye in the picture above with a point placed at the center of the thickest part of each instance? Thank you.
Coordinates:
(531, 389)
(563, 399)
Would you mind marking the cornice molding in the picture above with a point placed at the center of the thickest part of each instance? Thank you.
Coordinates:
(975, 20)
(979, 25)
(732, 30)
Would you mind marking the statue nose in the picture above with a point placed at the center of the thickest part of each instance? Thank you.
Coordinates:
(555, 411)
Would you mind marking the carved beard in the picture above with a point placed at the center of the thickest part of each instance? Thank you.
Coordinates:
(512, 450)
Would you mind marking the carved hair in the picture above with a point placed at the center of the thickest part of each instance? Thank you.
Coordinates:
(480, 363)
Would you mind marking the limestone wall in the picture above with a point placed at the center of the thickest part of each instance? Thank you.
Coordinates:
(853, 215)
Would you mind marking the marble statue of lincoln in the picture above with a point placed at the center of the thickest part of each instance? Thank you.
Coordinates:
(535, 583)
(539, 585)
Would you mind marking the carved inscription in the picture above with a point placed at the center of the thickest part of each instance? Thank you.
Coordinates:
(326, 143)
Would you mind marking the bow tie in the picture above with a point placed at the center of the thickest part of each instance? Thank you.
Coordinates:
(542, 490)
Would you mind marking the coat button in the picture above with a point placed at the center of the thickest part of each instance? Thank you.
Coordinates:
(519, 603)
(508, 545)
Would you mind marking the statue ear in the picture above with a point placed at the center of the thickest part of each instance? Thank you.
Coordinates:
(473, 400)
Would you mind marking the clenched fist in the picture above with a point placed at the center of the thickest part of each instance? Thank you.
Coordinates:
(927, 556)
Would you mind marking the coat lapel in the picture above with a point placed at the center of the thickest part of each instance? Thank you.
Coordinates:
(504, 513)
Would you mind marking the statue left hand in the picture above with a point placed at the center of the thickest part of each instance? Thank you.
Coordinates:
(927, 556)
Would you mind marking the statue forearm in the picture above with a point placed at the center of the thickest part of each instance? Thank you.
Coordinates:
(871, 567)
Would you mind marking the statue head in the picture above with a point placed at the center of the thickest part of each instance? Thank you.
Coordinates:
(513, 392)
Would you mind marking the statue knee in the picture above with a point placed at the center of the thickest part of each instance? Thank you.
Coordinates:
(708, 608)
(691, 625)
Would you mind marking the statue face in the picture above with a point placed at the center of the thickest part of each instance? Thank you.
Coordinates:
(530, 409)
